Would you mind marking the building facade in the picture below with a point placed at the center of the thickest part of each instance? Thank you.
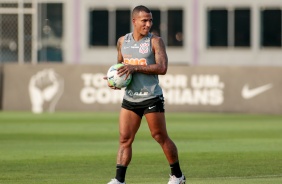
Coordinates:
(196, 32)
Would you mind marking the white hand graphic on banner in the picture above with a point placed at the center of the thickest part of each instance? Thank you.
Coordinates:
(45, 89)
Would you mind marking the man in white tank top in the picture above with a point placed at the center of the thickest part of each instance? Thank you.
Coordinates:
(145, 57)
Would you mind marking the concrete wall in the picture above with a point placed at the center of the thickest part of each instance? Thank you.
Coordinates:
(56, 87)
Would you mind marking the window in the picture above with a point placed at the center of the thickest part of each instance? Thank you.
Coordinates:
(122, 23)
(49, 28)
(242, 28)
(229, 28)
(156, 28)
(27, 37)
(217, 28)
(99, 28)
(9, 37)
(105, 27)
(271, 28)
(175, 28)
(50, 31)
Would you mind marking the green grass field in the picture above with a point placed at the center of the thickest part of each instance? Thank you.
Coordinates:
(80, 148)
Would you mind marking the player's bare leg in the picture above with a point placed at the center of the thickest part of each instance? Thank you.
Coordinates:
(157, 126)
(129, 123)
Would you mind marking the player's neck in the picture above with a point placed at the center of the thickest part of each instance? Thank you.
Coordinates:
(137, 36)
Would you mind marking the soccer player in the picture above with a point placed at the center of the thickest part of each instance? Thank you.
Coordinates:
(144, 56)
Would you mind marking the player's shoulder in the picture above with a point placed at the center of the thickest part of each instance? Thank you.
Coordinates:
(121, 39)
(156, 39)
(124, 37)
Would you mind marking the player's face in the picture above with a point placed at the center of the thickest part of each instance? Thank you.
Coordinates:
(143, 22)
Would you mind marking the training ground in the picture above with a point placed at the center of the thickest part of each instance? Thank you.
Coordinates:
(80, 148)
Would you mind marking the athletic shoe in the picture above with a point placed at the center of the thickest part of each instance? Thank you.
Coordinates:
(174, 180)
(115, 181)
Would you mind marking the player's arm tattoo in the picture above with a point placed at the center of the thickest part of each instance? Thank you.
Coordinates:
(160, 56)
(119, 44)
(161, 59)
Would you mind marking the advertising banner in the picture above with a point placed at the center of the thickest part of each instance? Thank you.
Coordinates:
(57, 87)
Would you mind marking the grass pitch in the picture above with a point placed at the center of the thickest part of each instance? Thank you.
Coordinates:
(80, 148)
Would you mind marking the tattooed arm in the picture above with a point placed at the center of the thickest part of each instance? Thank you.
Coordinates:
(119, 58)
(160, 55)
(119, 44)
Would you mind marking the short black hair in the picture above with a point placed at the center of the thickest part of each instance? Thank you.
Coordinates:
(140, 8)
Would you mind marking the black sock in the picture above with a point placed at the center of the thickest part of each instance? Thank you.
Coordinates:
(175, 169)
(120, 173)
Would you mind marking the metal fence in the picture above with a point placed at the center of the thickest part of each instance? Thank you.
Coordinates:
(30, 32)
(18, 31)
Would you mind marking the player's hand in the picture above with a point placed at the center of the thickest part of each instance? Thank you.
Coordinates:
(126, 70)
(113, 87)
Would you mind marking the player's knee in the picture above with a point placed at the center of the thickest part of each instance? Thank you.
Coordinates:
(126, 140)
(160, 138)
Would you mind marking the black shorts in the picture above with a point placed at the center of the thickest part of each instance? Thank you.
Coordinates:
(147, 106)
